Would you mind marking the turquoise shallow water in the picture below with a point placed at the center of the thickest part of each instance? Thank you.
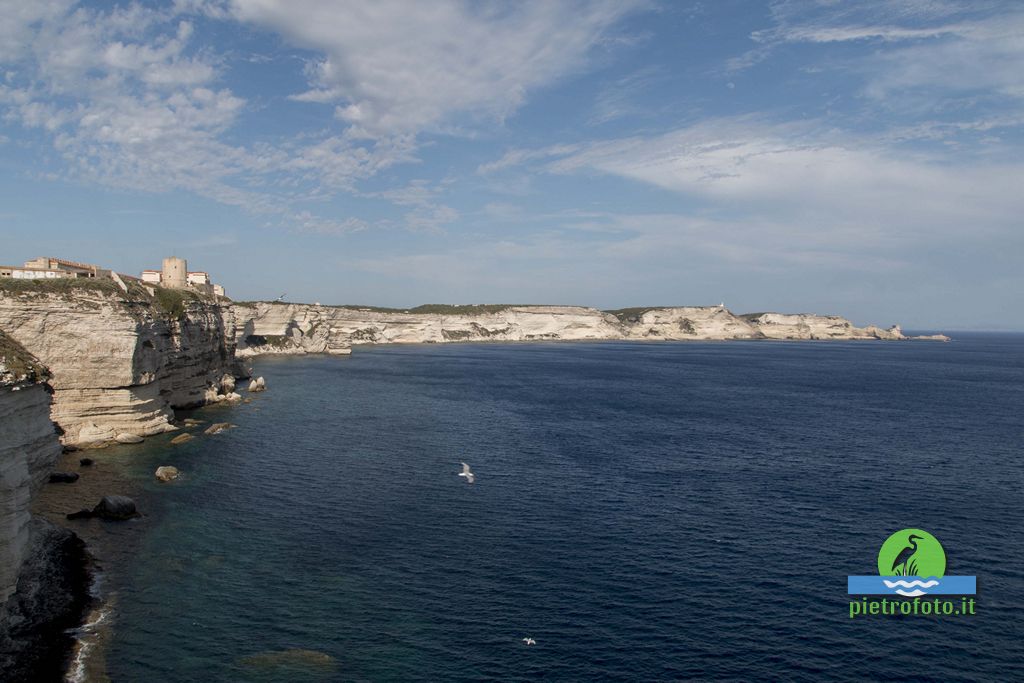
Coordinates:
(644, 511)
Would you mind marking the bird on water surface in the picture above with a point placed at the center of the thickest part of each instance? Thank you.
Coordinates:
(466, 473)
(909, 567)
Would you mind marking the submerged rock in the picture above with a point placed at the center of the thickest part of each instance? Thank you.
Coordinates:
(166, 473)
(128, 437)
(86, 462)
(181, 438)
(218, 427)
(63, 477)
(191, 422)
(295, 660)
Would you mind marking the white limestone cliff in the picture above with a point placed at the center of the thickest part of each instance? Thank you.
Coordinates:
(120, 362)
(28, 449)
(286, 328)
(811, 326)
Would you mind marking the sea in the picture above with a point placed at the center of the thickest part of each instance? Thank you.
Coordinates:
(643, 511)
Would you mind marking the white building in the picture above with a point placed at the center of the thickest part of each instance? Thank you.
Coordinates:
(21, 273)
(198, 277)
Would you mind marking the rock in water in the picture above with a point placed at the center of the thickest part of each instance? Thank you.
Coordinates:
(94, 436)
(63, 477)
(258, 384)
(218, 427)
(227, 384)
(128, 437)
(115, 508)
(85, 462)
(181, 438)
(166, 473)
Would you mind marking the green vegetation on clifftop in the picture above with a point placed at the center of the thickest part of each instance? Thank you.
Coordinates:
(17, 364)
(435, 309)
(630, 315)
(164, 302)
(62, 285)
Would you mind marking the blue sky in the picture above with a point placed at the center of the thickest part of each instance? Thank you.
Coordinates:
(861, 158)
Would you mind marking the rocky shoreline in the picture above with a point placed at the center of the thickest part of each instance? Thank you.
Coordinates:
(45, 569)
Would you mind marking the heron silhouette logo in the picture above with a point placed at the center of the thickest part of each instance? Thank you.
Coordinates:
(911, 563)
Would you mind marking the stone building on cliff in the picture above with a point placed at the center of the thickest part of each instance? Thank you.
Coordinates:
(175, 274)
(49, 267)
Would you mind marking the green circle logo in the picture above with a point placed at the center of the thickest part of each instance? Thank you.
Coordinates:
(912, 552)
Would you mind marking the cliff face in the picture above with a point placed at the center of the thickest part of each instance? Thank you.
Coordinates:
(807, 326)
(121, 361)
(300, 328)
(28, 449)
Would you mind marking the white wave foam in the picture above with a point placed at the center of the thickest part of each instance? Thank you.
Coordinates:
(78, 672)
(910, 584)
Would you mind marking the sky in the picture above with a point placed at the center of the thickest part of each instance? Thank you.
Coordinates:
(858, 158)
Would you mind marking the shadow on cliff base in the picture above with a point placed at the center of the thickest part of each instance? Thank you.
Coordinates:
(52, 597)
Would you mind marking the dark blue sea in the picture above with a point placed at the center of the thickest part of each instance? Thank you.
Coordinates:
(644, 511)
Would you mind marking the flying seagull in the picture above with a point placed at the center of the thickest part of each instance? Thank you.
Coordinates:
(529, 641)
(466, 473)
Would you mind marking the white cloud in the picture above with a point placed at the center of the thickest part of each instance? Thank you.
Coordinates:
(829, 190)
(518, 157)
(426, 214)
(19, 18)
(941, 48)
(130, 101)
(398, 67)
(304, 221)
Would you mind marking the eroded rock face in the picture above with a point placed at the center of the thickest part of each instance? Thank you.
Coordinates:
(809, 326)
(29, 447)
(119, 363)
(688, 322)
(52, 597)
(43, 569)
(280, 328)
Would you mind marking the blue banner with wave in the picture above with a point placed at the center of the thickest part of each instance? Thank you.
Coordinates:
(911, 586)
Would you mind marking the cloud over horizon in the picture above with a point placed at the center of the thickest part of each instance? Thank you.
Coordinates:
(607, 141)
